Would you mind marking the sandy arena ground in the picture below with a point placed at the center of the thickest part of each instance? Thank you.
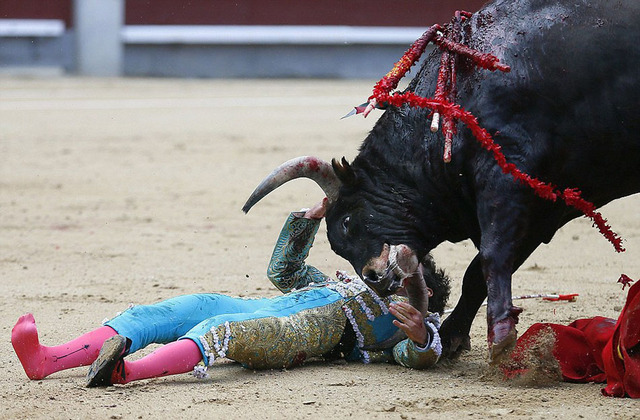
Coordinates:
(129, 191)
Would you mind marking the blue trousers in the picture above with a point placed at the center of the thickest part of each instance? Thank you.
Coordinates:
(191, 316)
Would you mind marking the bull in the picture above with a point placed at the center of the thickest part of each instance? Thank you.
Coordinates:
(566, 114)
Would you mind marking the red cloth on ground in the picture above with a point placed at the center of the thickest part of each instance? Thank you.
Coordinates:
(578, 348)
(596, 349)
(621, 355)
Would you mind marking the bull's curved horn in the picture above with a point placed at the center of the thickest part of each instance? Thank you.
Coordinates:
(303, 166)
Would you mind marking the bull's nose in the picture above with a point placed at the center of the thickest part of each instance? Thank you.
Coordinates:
(383, 285)
(371, 278)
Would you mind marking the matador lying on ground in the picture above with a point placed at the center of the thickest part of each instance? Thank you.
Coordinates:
(317, 317)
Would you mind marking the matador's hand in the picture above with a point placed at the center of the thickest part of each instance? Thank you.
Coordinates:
(411, 321)
(317, 211)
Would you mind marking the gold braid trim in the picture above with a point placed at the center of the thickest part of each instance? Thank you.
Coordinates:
(283, 342)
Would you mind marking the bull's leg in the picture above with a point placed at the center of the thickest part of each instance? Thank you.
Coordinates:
(509, 236)
(455, 329)
(506, 229)
(497, 253)
(502, 316)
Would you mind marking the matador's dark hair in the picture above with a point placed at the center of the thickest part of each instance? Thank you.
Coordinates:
(439, 282)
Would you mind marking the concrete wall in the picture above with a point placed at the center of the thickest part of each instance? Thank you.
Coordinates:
(32, 46)
(205, 38)
(207, 51)
(264, 51)
(265, 61)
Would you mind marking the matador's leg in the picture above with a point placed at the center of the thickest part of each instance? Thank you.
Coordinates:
(291, 329)
(161, 322)
(170, 319)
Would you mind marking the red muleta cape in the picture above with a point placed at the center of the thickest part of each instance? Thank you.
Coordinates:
(596, 349)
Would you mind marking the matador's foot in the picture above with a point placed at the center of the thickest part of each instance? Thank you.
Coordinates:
(32, 355)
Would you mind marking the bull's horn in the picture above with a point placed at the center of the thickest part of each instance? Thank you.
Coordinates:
(303, 166)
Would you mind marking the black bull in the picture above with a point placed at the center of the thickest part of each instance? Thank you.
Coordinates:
(567, 113)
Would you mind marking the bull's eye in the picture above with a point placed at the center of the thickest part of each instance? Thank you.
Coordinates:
(345, 224)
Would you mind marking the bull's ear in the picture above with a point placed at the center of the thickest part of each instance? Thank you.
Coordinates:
(344, 171)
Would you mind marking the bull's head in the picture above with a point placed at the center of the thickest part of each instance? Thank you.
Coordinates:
(362, 227)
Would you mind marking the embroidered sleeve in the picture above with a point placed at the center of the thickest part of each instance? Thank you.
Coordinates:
(409, 354)
(287, 269)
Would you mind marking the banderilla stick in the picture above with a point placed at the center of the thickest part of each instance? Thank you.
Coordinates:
(550, 297)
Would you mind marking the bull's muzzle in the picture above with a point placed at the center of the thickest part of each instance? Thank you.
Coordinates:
(386, 273)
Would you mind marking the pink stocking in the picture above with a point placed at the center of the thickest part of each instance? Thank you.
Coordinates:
(40, 361)
(176, 357)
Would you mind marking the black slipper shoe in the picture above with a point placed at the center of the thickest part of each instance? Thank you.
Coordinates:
(110, 358)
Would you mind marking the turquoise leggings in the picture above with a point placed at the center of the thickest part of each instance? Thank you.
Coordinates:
(191, 316)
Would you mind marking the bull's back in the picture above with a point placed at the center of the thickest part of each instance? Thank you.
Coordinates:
(567, 112)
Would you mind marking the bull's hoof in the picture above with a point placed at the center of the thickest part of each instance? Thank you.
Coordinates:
(502, 339)
(454, 336)
(453, 346)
